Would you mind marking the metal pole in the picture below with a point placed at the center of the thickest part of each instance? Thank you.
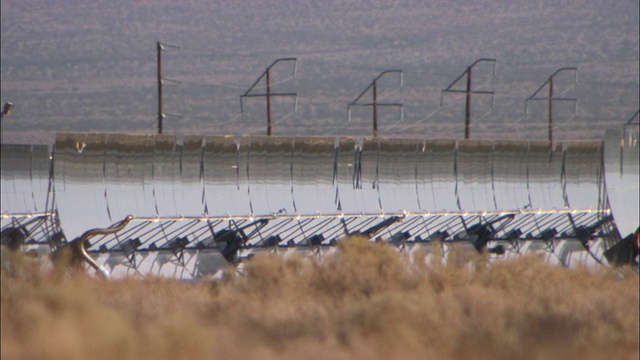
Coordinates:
(467, 111)
(551, 113)
(375, 108)
(268, 102)
(160, 112)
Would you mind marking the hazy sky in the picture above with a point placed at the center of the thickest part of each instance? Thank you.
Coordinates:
(91, 66)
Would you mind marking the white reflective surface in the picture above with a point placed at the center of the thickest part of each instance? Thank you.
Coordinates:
(102, 178)
(510, 184)
(474, 176)
(545, 176)
(622, 177)
(24, 178)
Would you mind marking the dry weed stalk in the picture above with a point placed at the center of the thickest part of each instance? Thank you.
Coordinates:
(365, 302)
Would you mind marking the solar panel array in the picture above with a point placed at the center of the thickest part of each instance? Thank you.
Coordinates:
(202, 203)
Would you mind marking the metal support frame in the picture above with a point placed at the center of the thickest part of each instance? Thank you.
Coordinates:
(468, 91)
(550, 98)
(375, 104)
(493, 232)
(268, 94)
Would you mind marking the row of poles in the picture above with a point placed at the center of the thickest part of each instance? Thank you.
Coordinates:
(373, 88)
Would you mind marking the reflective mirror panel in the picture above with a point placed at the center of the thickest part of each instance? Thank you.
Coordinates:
(621, 165)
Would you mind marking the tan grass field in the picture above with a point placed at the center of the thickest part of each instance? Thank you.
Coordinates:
(367, 302)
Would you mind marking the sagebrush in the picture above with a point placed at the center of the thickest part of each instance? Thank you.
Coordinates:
(365, 302)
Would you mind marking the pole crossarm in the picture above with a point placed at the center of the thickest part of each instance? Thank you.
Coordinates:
(374, 103)
(270, 94)
(264, 74)
(466, 72)
(167, 46)
(575, 80)
(473, 92)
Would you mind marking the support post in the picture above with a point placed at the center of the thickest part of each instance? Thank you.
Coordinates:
(468, 91)
(375, 108)
(160, 112)
(373, 87)
(467, 110)
(550, 98)
(269, 102)
(268, 94)
(551, 113)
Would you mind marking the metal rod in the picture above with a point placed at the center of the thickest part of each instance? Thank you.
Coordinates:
(406, 214)
(467, 111)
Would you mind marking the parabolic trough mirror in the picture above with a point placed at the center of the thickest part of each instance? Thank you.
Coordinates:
(202, 203)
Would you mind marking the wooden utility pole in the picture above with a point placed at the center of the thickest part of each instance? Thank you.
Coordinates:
(550, 99)
(468, 91)
(160, 112)
(268, 94)
(467, 109)
(375, 108)
(375, 104)
(551, 112)
(269, 123)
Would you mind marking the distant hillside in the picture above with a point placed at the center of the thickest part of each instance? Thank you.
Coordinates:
(86, 66)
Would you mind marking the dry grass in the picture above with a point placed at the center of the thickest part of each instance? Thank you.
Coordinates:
(367, 302)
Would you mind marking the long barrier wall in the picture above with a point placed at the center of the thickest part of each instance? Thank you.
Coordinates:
(101, 178)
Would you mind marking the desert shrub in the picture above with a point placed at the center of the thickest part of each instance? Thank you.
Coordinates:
(367, 301)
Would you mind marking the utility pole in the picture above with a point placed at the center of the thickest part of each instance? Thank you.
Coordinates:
(467, 108)
(268, 94)
(269, 121)
(160, 112)
(375, 108)
(551, 98)
(468, 91)
(159, 48)
(374, 103)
